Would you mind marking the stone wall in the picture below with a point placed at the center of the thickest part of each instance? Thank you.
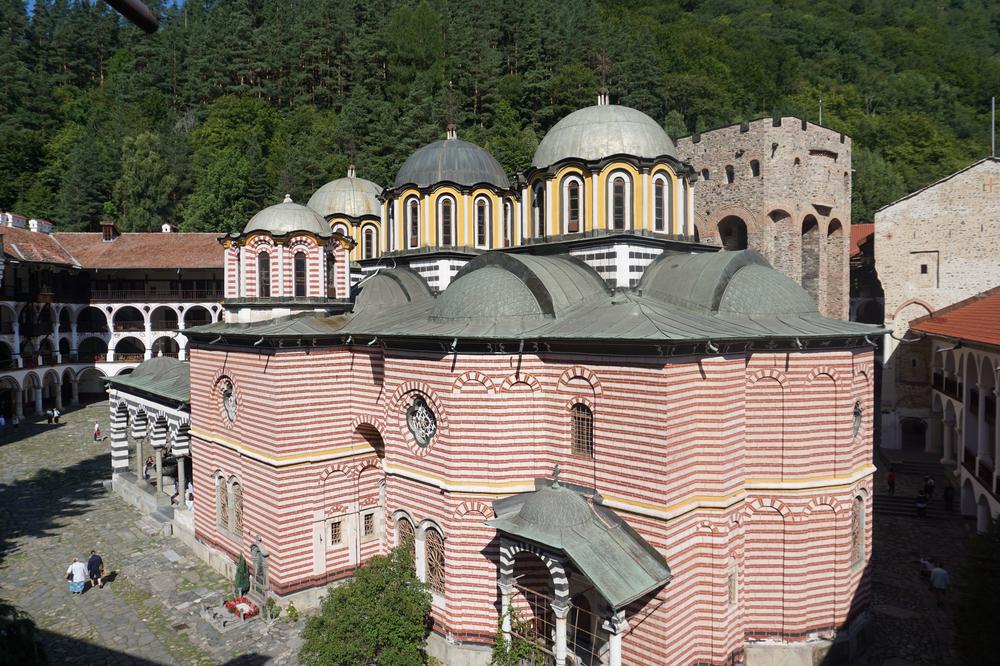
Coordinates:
(933, 248)
(779, 179)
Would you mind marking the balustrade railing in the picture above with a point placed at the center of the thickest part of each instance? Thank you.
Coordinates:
(129, 357)
(119, 295)
(129, 326)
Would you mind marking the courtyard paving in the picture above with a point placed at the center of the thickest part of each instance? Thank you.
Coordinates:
(53, 507)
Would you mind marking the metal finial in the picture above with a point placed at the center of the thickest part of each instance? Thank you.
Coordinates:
(350, 171)
(288, 199)
(555, 476)
(452, 134)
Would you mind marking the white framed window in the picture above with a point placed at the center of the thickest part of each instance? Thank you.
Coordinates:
(538, 209)
(446, 220)
(264, 275)
(663, 203)
(412, 222)
(484, 221)
(508, 224)
(619, 200)
(572, 204)
(369, 242)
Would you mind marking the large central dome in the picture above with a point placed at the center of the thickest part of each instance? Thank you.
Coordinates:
(451, 160)
(600, 131)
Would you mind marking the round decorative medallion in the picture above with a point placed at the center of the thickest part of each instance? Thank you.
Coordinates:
(421, 422)
(229, 399)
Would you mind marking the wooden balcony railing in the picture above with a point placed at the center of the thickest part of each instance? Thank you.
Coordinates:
(139, 295)
(129, 357)
(129, 326)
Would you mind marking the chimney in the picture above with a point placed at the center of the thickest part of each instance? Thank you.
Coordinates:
(110, 231)
(452, 134)
(168, 228)
(40, 226)
(602, 97)
(350, 171)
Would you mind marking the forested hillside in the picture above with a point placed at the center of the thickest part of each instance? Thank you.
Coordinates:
(235, 102)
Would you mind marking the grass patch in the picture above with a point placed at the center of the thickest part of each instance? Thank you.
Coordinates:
(151, 613)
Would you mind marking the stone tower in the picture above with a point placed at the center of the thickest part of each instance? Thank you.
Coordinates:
(781, 187)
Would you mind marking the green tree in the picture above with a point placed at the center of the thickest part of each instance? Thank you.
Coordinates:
(142, 193)
(241, 582)
(379, 617)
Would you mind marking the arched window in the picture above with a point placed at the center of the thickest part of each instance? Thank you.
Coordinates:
(663, 203)
(538, 209)
(406, 537)
(300, 274)
(446, 215)
(264, 275)
(221, 503)
(508, 224)
(704, 174)
(236, 524)
(583, 431)
(755, 168)
(572, 205)
(413, 222)
(434, 559)
(390, 240)
(368, 243)
(730, 173)
(331, 274)
(482, 222)
(619, 195)
(858, 531)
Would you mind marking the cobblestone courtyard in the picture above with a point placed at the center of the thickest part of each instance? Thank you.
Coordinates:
(53, 506)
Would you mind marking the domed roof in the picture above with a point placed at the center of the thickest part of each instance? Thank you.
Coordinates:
(739, 283)
(286, 217)
(451, 160)
(506, 288)
(391, 287)
(600, 131)
(349, 196)
(554, 507)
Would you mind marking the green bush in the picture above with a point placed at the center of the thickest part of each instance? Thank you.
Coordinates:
(292, 613)
(241, 583)
(379, 617)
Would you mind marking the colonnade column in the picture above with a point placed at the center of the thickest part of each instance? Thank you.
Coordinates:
(58, 390)
(39, 406)
(616, 626)
(18, 404)
(947, 441)
(119, 442)
(560, 608)
(75, 387)
(159, 439)
(138, 433)
(73, 341)
(506, 592)
(982, 437)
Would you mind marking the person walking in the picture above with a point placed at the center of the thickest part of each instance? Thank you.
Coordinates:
(929, 487)
(56, 414)
(95, 569)
(890, 480)
(77, 576)
(97, 431)
(48, 416)
(939, 582)
(921, 503)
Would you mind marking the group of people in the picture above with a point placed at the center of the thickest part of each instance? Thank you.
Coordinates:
(926, 493)
(52, 415)
(79, 573)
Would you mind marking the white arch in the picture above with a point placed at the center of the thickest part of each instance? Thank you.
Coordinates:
(482, 201)
(666, 224)
(452, 232)
(564, 196)
(411, 223)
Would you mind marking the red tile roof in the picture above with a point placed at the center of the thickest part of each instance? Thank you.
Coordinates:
(143, 250)
(859, 234)
(975, 319)
(27, 245)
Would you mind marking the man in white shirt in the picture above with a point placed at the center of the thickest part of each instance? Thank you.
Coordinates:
(77, 576)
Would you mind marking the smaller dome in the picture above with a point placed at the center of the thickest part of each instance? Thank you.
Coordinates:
(451, 160)
(489, 292)
(599, 131)
(286, 217)
(554, 508)
(349, 196)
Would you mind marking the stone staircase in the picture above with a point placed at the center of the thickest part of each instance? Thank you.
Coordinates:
(902, 505)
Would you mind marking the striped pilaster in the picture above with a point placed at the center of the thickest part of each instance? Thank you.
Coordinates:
(182, 442)
(119, 441)
(140, 425)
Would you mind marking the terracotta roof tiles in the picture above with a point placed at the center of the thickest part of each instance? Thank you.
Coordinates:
(975, 319)
(33, 246)
(143, 250)
(859, 234)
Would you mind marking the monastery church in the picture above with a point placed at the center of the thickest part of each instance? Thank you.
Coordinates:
(548, 390)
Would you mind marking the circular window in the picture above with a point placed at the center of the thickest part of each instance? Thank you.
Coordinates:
(229, 399)
(858, 413)
(421, 422)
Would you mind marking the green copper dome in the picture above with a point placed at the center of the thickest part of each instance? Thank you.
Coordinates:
(451, 160)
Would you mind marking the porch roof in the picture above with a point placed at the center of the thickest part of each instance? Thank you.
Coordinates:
(564, 517)
(162, 377)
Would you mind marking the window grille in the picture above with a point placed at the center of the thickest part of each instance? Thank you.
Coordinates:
(573, 207)
(659, 204)
(335, 532)
(237, 525)
(369, 524)
(583, 431)
(446, 235)
(406, 538)
(264, 275)
(434, 557)
(300, 274)
(482, 213)
(858, 531)
(618, 210)
(221, 503)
